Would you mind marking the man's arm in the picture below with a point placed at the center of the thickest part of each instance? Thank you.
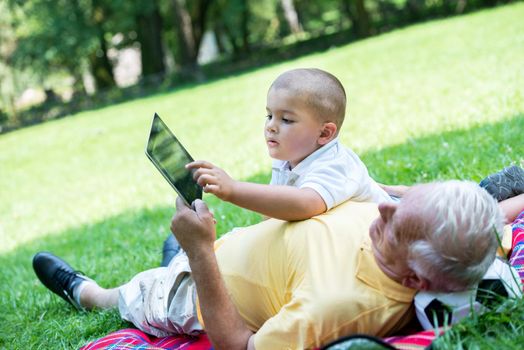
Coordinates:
(280, 202)
(195, 231)
(512, 207)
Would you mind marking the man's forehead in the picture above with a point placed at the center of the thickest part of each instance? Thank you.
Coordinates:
(416, 195)
(411, 214)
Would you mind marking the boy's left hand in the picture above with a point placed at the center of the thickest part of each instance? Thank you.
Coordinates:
(212, 179)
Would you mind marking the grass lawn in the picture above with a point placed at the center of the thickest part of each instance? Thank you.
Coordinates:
(438, 100)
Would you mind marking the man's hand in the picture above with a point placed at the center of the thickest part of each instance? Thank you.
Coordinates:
(194, 229)
(212, 179)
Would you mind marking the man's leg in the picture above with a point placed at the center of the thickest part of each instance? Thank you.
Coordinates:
(147, 300)
(72, 286)
(94, 296)
(170, 248)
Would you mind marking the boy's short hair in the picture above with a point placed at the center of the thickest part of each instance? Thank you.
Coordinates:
(321, 91)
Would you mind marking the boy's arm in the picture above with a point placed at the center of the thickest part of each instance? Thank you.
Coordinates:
(280, 202)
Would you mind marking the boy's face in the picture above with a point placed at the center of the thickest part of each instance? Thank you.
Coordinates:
(292, 130)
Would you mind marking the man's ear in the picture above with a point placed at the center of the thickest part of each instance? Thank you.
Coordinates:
(328, 133)
(413, 281)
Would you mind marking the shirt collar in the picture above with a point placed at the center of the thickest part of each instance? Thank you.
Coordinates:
(369, 273)
(304, 164)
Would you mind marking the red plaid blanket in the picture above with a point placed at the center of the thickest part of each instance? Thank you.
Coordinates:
(127, 339)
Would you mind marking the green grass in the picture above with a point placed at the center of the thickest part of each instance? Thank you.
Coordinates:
(439, 100)
(494, 330)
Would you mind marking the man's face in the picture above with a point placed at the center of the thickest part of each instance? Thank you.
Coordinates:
(390, 254)
(291, 130)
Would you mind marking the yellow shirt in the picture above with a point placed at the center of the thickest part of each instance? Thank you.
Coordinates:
(303, 284)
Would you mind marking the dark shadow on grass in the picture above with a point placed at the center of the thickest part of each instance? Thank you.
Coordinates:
(113, 250)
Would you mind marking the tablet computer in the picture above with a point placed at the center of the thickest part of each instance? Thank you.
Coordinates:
(170, 158)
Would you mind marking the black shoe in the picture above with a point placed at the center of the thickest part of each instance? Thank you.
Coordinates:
(170, 249)
(507, 183)
(58, 276)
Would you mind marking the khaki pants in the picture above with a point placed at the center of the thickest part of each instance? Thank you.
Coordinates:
(162, 301)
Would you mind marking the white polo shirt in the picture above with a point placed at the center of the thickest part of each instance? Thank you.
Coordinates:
(335, 172)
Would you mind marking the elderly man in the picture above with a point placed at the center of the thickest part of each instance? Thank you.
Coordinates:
(295, 285)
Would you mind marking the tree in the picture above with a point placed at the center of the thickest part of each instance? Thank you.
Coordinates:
(414, 9)
(290, 13)
(149, 35)
(190, 25)
(101, 66)
(7, 73)
(75, 37)
(231, 19)
(359, 17)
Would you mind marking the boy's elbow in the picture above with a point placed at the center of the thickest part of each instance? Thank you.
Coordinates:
(299, 214)
(308, 208)
(315, 210)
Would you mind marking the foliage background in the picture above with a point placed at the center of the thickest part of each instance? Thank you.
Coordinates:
(439, 100)
(58, 47)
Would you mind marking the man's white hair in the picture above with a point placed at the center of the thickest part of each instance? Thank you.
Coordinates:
(462, 227)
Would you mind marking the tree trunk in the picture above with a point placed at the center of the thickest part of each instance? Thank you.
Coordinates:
(149, 35)
(232, 41)
(461, 6)
(186, 48)
(290, 13)
(11, 97)
(414, 8)
(359, 17)
(101, 67)
(364, 27)
(199, 21)
(244, 26)
(79, 87)
(219, 38)
(190, 32)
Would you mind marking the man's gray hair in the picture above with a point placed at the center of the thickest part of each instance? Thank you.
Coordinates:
(461, 232)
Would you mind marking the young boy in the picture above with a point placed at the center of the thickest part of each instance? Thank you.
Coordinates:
(312, 171)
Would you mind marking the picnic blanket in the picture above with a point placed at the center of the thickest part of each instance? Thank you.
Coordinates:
(128, 339)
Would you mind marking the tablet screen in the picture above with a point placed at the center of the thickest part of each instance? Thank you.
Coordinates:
(170, 157)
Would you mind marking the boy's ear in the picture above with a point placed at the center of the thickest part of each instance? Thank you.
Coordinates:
(328, 133)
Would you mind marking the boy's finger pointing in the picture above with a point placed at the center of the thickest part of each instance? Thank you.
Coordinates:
(199, 164)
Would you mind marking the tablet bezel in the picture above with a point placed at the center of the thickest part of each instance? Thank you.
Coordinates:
(149, 153)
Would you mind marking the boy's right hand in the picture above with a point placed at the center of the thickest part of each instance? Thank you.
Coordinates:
(212, 179)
